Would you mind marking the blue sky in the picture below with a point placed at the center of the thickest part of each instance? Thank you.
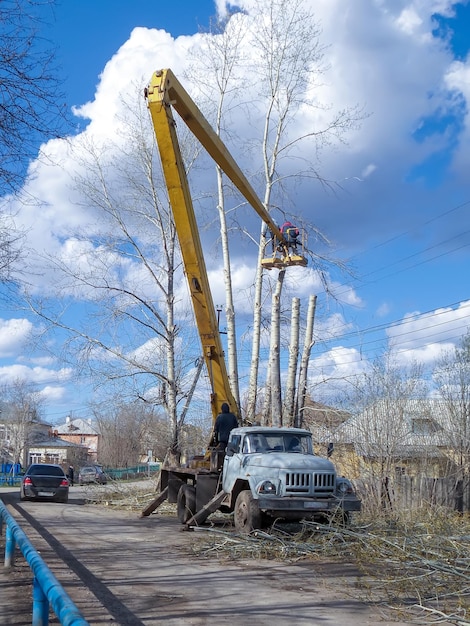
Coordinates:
(398, 213)
(92, 31)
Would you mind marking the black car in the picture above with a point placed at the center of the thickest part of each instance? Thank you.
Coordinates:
(44, 481)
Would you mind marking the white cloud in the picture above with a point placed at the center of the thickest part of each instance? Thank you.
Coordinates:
(51, 394)
(12, 373)
(335, 368)
(41, 361)
(441, 326)
(13, 335)
(383, 309)
(384, 57)
(425, 355)
(457, 79)
(403, 83)
(425, 338)
(330, 326)
(368, 170)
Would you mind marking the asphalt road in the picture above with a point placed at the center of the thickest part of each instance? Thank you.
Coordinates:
(122, 569)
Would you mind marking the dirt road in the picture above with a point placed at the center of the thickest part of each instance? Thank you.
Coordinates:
(122, 569)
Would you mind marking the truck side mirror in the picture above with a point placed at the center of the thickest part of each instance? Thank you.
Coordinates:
(230, 450)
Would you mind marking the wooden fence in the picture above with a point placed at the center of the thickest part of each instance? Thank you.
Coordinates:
(410, 492)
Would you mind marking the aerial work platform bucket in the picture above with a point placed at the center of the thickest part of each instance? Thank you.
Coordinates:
(286, 255)
(283, 261)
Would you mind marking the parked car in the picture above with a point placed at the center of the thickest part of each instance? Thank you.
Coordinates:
(44, 481)
(92, 474)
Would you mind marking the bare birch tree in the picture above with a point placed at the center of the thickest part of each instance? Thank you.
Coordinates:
(303, 369)
(32, 106)
(291, 391)
(452, 378)
(20, 412)
(125, 432)
(272, 415)
(128, 273)
(380, 403)
(221, 56)
(289, 58)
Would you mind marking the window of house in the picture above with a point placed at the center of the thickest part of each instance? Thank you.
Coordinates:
(34, 457)
(423, 426)
(5, 434)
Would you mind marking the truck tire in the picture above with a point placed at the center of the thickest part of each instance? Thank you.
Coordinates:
(186, 503)
(247, 514)
(340, 518)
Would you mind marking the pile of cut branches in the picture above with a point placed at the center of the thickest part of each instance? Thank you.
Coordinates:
(122, 495)
(416, 563)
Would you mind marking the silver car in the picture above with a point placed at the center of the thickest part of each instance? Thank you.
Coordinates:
(92, 474)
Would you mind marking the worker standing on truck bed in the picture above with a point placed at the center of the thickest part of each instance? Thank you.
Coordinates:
(224, 423)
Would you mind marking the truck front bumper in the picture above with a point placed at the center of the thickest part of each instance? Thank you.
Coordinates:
(307, 506)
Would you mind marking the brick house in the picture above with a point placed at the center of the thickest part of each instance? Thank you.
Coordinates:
(56, 450)
(83, 433)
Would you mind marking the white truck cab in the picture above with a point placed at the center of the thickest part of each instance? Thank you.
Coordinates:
(271, 473)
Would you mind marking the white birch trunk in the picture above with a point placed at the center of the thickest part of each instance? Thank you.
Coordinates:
(303, 372)
(232, 358)
(289, 396)
(275, 413)
(256, 338)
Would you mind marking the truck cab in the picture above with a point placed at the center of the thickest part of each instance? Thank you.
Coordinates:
(271, 473)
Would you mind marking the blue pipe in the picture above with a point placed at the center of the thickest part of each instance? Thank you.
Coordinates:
(46, 588)
(40, 605)
(10, 545)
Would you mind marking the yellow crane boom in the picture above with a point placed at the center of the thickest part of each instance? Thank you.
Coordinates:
(163, 94)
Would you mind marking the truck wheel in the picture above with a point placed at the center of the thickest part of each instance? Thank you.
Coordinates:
(247, 514)
(341, 518)
(186, 503)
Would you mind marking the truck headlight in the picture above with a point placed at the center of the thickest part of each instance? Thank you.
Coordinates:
(267, 487)
(344, 487)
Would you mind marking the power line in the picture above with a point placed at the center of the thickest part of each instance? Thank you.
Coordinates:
(407, 232)
(442, 215)
(402, 322)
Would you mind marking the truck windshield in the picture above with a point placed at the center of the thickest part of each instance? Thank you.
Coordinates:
(277, 442)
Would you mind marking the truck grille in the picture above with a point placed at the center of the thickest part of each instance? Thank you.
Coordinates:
(310, 483)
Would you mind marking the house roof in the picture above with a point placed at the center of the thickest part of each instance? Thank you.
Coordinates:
(55, 442)
(389, 423)
(77, 427)
(376, 451)
(321, 416)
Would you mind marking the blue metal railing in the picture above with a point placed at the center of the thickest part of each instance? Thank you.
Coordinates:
(47, 591)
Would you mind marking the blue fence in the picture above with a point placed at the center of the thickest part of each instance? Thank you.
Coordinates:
(47, 591)
(138, 471)
(10, 474)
